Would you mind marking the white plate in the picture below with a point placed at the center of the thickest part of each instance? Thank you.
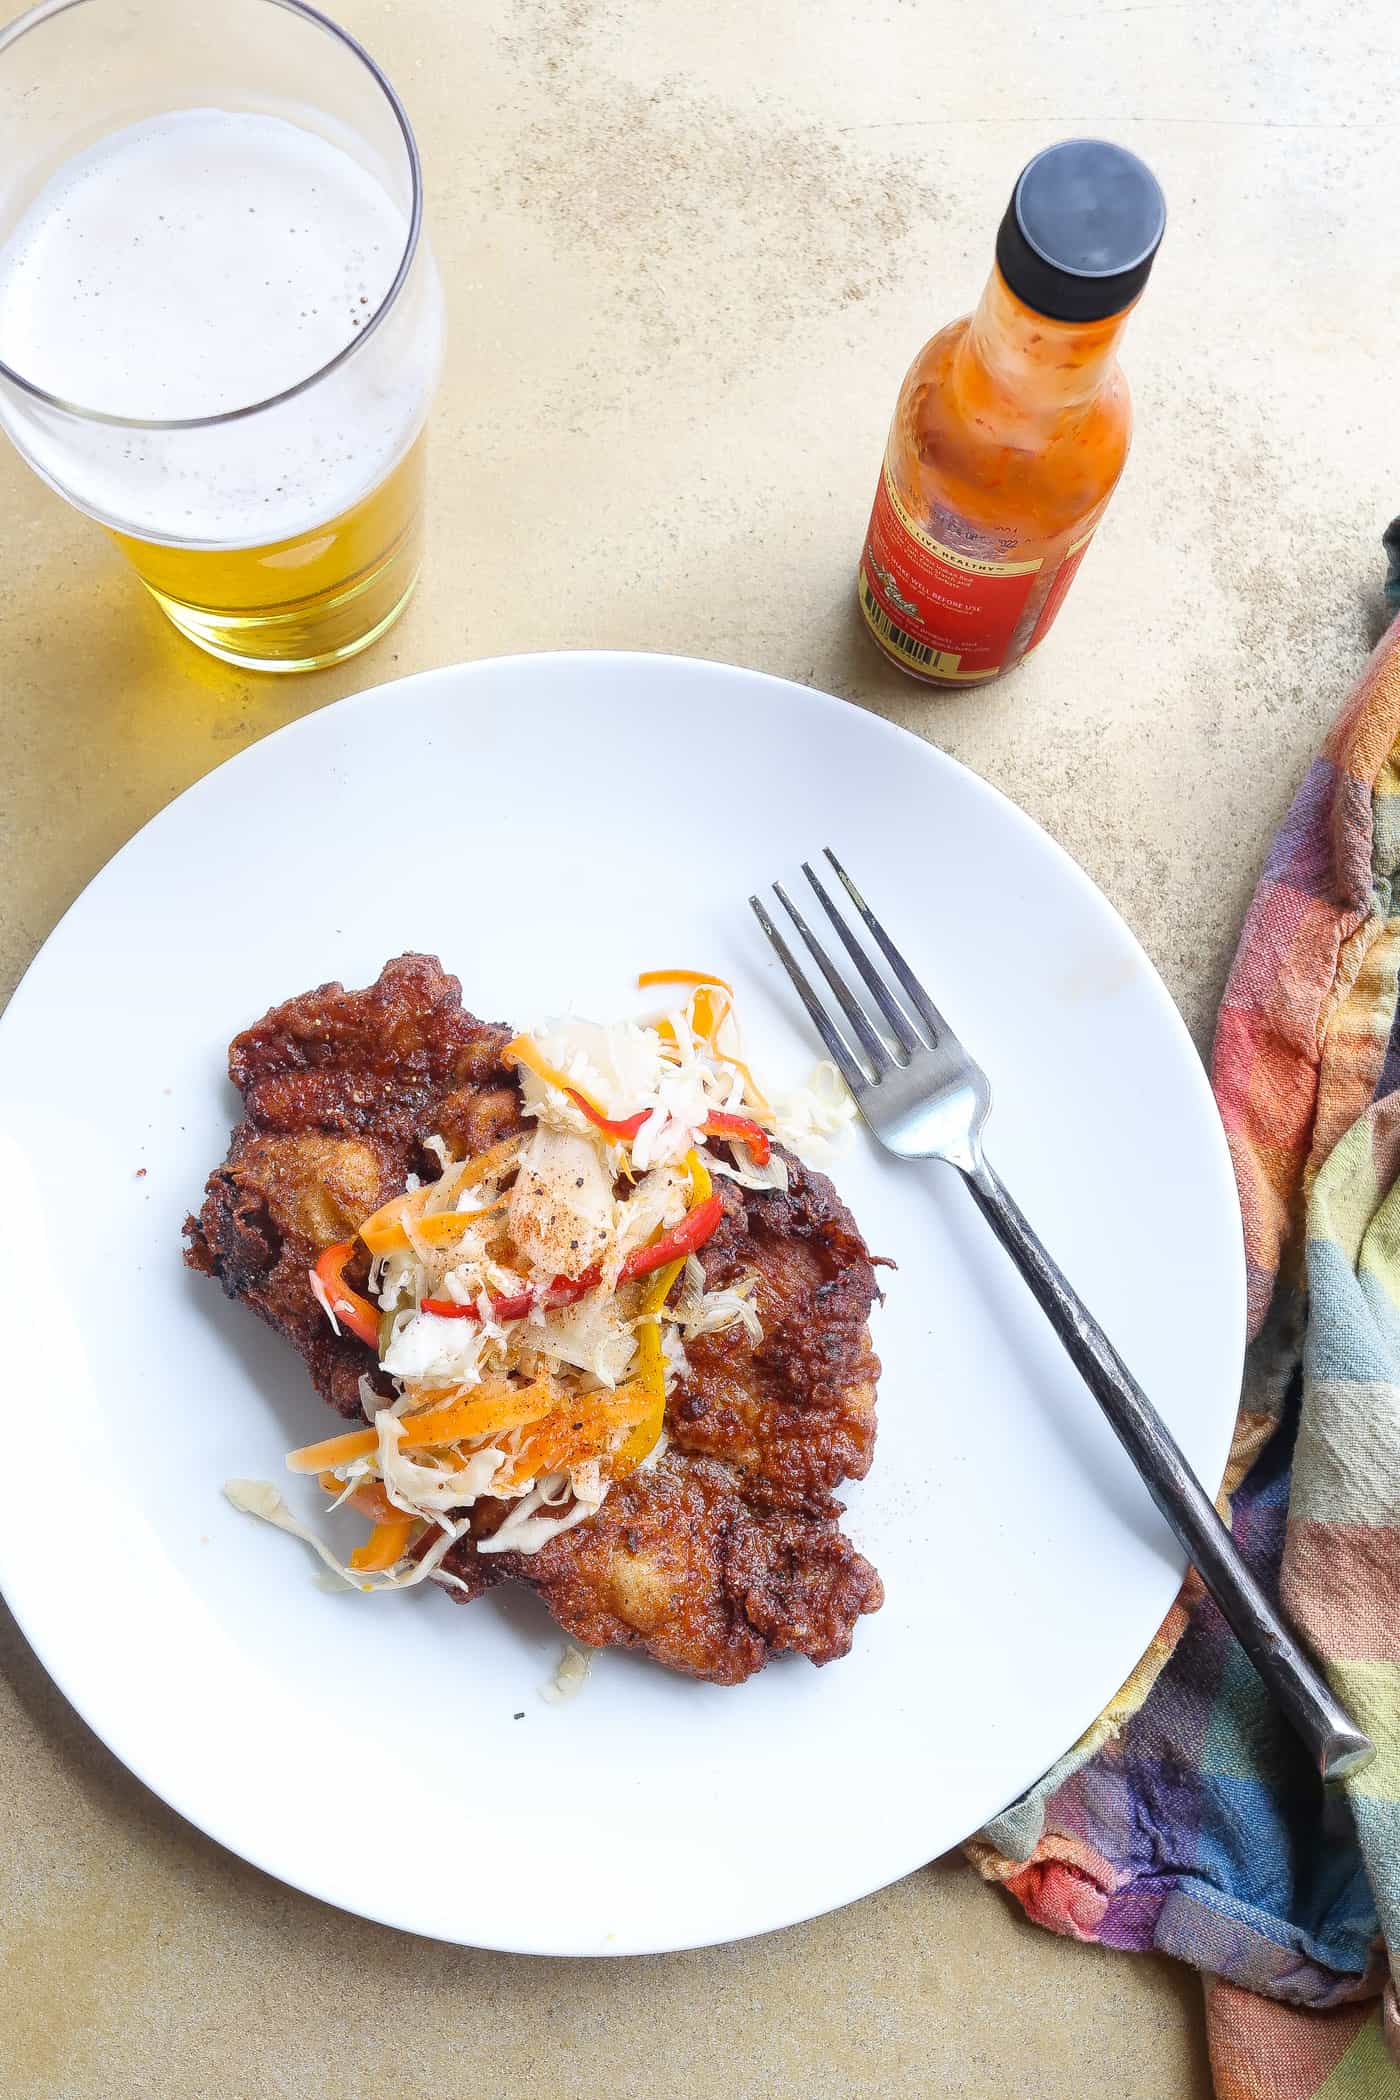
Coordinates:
(368, 1749)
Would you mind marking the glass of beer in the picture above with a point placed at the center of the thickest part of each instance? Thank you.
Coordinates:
(220, 323)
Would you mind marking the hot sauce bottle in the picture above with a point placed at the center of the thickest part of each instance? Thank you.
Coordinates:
(1011, 429)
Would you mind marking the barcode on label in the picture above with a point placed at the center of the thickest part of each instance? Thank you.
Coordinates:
(905, 644)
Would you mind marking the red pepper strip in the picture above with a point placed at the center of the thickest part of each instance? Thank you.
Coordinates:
(695, 1228)
(613, 1126)
(565, 1290)
(743, 1127)
(349, 1307)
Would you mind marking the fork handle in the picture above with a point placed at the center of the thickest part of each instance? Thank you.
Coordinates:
(1337, 1747)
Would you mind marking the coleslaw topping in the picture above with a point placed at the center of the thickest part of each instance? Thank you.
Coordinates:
(529, 1309)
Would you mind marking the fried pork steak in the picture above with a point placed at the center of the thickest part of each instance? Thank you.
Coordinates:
(724, 1552)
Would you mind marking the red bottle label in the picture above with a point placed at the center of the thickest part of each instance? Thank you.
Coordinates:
(1059, 588)
(934, 609)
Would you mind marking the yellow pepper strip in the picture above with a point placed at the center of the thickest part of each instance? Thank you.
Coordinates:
(706, 1009)
(651, 1368)
(710, 1007)
(491, 1413)
(651, 1364)
(333, 1451)
(708, 1014)
(523, 1052)
(385, 1546)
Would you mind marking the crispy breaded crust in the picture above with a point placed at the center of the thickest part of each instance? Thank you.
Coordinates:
(727, 1550)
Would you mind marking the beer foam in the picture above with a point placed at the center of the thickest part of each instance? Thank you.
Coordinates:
(202, 261)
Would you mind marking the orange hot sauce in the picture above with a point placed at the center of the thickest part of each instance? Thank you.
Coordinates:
(1012, 427)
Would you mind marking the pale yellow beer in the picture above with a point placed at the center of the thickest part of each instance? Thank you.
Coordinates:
(220, 329)
(300, 602)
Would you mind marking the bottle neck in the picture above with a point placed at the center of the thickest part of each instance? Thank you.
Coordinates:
(1015, 366)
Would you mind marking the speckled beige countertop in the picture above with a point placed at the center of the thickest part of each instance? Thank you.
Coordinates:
(689, 251)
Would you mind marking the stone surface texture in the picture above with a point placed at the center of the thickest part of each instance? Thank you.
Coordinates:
(689, 252)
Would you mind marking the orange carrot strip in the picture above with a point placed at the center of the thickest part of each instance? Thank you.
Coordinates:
(441, 1225)
(387, 1233)
(488, 1414)
(386, 1545)
(758, 1099)
(333, 1451)
(578, 1431)
(383, 1230)
(494, 1160)
(646, 977)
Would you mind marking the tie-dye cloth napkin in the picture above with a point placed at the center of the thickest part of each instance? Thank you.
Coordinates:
(1187, 1819)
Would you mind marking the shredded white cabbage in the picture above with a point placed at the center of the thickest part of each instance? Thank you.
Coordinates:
(552, 1505)
(370, 1400)
(675, 1362)
(816, 1115)
(430, 1487)
(699, 1311)
(569, 1678)
(656, 1454)
(320, 1294)
(773, 1176)
(259, 1498)
(593, 1336)
(658, 1201)
(623, 1067)
(437, 1351)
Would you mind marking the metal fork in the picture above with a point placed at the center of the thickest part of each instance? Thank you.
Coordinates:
(924, 1097)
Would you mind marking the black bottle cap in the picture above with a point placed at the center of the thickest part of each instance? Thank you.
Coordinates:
(1080, 232)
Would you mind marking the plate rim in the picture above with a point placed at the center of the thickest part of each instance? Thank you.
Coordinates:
(1167, 1015)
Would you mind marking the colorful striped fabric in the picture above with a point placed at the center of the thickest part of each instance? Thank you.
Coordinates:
(1187, 1819)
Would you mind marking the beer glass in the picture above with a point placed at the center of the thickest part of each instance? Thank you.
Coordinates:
(220, 322)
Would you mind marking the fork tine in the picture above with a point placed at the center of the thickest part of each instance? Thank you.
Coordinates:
(901, 1027)
(870, 1042)
(826, 1028)
(920, 998)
